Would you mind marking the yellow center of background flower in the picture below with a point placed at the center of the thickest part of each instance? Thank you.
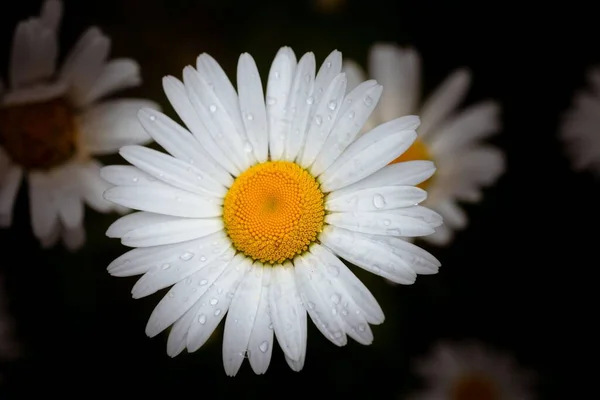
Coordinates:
(474, 387)
(417, 151)
(38, 135)
(274, 211)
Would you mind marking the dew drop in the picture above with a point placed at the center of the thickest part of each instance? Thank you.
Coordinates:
(202, 319)
(220, 290)
(217, 312)
(248, 147)
(202, 258)
(332, 105)
(333, 270)
(337, 334)
(311, 305)
(271, 100)
(378, 201)
(188, 281)
(335, 298)
(271, 326)
(333, 311)
(186, 256)
(165, 266)
(276, 75)
(387, 222)
(203, 282)
(152, 118)
(344, 312)
(212, 108)
(351, 115)
(318, 120)
(362, 327)
(135, 179)
(310, 100)
(213, 302)
(264, 346)
(328, 64)
(249, 117)
(368, 100)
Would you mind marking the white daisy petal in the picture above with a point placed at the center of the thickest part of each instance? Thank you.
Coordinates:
(453, 215)
(10, 182)
(43, 208)
(297, 365)
(92, 186)
(331, 67)
(108, 126)
(74, 238)
(398, 70)
(51, 14)
(419, 260)
(183, 295)
(369, 153)
(172, 171)
(444, 101)
(299, 105)
(420, 213)
(354, 73)
(402, 173)
(84, 63)
(279, 84)
(340, 304)
(178, 334)
(323, 120)
(361, 296)
(139, 261)
(127, 175)
(354, 112)
(181, 144)
(182, 265)
(34, 52)
(222, 87)
(380, 223)
(34, 94)
(119, 74)
(371, 255)
(240, 320)
(260, 345)
(252, 106)
(68, 198)
(287, 312)
(379, 198)
(172, 232)
(136, 220)
(216, 119)
(164, 199)
(177, 95)
(52, 237)
(215, 302)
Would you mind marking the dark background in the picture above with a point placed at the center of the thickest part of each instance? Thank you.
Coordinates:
(507, 280)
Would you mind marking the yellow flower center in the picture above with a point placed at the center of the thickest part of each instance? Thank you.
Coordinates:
(474, 387)
(274, 211)
(417, 151)
(38, 135)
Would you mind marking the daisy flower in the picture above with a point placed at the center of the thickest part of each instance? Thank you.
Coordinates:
(52, 122)
(252, 208)
(580, 130)
(471, 371)
(451, 139)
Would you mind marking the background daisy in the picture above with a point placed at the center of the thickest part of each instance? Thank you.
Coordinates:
(53, 121)
(452, 139)
(469, 371)
(580, 129)
(252, 208)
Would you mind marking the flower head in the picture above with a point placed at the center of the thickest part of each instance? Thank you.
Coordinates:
(252, 208)
(471, 371)
(581, 126)
(52, 122)
(451, 139)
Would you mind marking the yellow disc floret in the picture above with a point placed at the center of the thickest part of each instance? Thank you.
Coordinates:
(274, 211)
(417, 151)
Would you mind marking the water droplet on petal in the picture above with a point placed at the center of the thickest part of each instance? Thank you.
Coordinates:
(202, 319)
(276, 74)
(152, 118)
(368, 100)
(202, 258)
(378, 201)
(250, 117)
(220, 290)
(332, 105)
(344, 312)
(335, 298)
(387, 222)
(217, 312)
(248, 147)
(212, 108)
(337, 334)
(186, 256)
(188, 280)
(213, 302)
(318, 120)
(271, 100)
(310, 100)
(351, 115)
(166, 266)
(203, 282)
(328, 64)
(333, 270)
(135, 179)
(362, 327)
(264, 346)
(311, 305)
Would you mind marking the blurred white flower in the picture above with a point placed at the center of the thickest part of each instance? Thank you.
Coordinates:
(471, 371)
(53, 121)
(580, 130)
(251, 210)
(452, 139)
